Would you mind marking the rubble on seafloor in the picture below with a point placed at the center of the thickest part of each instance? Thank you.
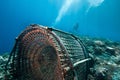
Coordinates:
(106, 57)
(3, 60)
(105, 54)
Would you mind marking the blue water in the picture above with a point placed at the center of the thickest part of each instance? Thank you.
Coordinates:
(96, 18)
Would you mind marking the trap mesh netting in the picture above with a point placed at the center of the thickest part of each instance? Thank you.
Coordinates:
(43, 53)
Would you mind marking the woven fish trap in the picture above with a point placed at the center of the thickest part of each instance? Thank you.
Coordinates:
(42, 53)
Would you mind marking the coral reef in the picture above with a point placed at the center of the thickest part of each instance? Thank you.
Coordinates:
(3, 60)
(105, 54)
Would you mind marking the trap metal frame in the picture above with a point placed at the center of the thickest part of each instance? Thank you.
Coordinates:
(42, 53)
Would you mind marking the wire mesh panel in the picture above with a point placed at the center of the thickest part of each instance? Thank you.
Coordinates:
(47, 54)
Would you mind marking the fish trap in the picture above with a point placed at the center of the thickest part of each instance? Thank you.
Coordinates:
(43, 53)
